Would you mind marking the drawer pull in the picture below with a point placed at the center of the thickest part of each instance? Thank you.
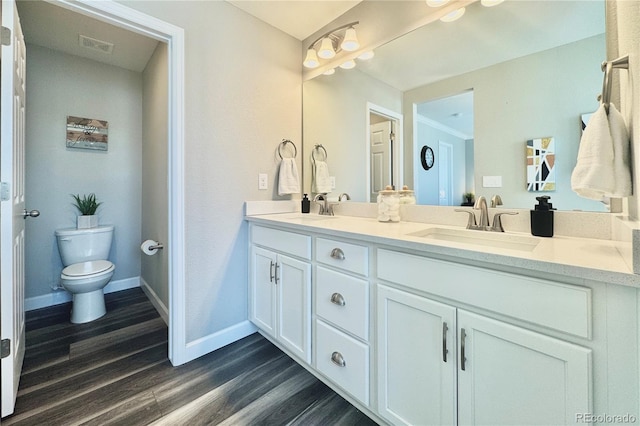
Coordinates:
(271, 276)
(463, 337)
(444, 341)
(337, 254)
(338, 299)
(338, 359)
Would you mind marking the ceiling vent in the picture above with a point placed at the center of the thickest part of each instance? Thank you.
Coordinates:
(99, 45)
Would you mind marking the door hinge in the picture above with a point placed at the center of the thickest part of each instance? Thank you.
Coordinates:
(4, 191)
(5, 36)
(5, 348)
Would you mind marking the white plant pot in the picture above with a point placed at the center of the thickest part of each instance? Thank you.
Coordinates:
(87, 221)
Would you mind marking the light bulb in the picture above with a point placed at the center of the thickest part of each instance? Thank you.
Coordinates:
(350, 42)
(452, 16)
(490, 3)
(332, 71)
(437, 3)
(311, 61)
(366, 55)
(326, 49)
(348, 65)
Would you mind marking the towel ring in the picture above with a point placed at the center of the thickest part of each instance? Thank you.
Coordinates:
(283, 144)
(318, 147)
(607, 66)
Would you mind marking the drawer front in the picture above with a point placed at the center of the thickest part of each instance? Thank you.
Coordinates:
(287, 242)
(562, 307)
(344, 360)
(343, 300)
(350, 257)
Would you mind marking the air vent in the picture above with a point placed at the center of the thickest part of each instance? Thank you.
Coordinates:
(99, 45)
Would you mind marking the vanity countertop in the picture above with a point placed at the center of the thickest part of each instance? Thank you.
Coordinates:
(574, 258)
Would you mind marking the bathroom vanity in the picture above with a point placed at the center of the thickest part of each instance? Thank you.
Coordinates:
(416, 323)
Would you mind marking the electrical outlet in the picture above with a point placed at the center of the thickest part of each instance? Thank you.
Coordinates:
(332, 179)
(262, 181)
(492, 181)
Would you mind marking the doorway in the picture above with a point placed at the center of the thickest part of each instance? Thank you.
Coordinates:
(383, 149)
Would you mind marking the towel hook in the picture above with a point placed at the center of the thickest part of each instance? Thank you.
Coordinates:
(607, 66)
(283, 144)
(318, 147)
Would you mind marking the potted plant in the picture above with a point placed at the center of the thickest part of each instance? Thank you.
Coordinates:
(87, 205)
(468, 199)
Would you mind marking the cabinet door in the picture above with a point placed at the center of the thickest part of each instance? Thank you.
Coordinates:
(294, 306)
(416, 359)
(263, 290)
(515, 376)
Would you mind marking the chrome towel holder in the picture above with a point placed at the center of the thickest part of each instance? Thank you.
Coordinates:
(284, 144)
(607, 66)
(318, 148)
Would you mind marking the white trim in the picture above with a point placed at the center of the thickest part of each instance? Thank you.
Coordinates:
(219, 339)
(155, 301)
(122, 16)
(398, 146)
(58, 297)
(439, 126)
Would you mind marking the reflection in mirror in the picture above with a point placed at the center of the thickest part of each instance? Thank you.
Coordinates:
(534, 70)
(384, 140)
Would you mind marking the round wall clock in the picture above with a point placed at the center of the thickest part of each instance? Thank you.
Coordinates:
(426, 157)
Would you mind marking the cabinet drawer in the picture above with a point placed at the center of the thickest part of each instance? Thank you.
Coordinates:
(287, 242)
(331, 289)
(332, 347)
(558, 306)
(350, 257)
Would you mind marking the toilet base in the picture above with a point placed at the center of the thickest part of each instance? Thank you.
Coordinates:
(88, 306)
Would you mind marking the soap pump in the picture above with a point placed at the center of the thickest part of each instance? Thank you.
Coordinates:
(306, 204)
(542, 218)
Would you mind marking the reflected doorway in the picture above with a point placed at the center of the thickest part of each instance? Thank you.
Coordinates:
(384, 145)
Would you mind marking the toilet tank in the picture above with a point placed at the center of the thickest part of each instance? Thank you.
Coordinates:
(83, 245)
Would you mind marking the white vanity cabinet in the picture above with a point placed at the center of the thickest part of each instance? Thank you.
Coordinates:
(280, 288)
(434, 357)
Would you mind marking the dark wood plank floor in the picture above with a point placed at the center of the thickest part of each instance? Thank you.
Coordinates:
(115, 371)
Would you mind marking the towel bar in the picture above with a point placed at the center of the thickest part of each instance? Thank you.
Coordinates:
(607, 66)
(283, 144)
(317, 148)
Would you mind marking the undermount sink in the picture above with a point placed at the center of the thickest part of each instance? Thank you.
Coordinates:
(480, 238)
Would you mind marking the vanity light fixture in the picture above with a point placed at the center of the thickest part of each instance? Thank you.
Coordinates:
(348, 64)
(490, 3)
(366, 55)
(437, 3)
(331, 71)
(453, 16)
(332, 42)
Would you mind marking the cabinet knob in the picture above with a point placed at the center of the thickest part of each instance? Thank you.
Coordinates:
(337, 254)
(338, 299)
(338, 359)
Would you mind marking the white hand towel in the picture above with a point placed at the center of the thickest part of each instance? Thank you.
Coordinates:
(593, 177)
(321, 180)
(621, 154)
(288, 178)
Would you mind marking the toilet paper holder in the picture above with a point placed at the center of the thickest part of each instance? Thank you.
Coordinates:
(156, 247)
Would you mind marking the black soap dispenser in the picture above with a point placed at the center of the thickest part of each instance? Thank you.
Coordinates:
(542, 218)
(306, 204)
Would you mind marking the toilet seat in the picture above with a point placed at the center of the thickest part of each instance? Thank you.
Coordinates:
(84, 270)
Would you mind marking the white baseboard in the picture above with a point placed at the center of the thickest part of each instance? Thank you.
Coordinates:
(155, 301)
(63, 296)
(217, 340)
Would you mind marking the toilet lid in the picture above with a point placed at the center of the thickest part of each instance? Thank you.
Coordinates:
(87, 268)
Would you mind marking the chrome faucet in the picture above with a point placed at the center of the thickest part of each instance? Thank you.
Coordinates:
(483, 225)
(496, 201)
(344, 194)
(481, 204)
(322, 200)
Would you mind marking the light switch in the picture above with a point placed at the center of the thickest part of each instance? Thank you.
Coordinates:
(332, 179)
(262, 181)
(492, 181)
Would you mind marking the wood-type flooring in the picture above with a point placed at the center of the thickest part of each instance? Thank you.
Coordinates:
(115, 371)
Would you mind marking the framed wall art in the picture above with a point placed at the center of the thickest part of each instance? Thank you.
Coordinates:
(87, 133)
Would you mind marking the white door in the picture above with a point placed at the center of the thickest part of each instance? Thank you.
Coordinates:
(12, 221)
(293, 282)
(381, 172)
(510, 375)
(417, 361)
(445, 173)
(263, 291)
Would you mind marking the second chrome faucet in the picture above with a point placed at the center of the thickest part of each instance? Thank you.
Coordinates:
(483, 222)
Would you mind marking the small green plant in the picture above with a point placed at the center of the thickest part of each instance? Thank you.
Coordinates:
(87, 205)
(468, 196)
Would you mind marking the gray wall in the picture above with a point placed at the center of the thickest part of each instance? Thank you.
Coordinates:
(59, 85)
(242, 97)
(155, 222)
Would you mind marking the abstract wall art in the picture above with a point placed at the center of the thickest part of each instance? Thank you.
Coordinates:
(541, 159)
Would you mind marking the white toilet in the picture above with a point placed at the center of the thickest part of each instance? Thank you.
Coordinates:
(87, 271)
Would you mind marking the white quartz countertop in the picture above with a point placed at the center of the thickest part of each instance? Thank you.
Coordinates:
(574, 258)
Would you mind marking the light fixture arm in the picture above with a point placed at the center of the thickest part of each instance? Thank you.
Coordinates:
(328, 33)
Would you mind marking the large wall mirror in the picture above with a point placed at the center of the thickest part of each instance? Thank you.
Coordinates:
(474, 91)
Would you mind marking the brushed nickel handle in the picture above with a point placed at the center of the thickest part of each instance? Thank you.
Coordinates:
(338, 359)
(444, 341)
(463, 337)
(337, 254)
(271, 276)
(276, 274)
(32, 213)
(338, 299)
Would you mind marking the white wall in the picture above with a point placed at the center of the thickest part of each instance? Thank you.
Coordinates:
(242, 97)
(335, 110)
(506, 115)
(155, 222)
(59, 85)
